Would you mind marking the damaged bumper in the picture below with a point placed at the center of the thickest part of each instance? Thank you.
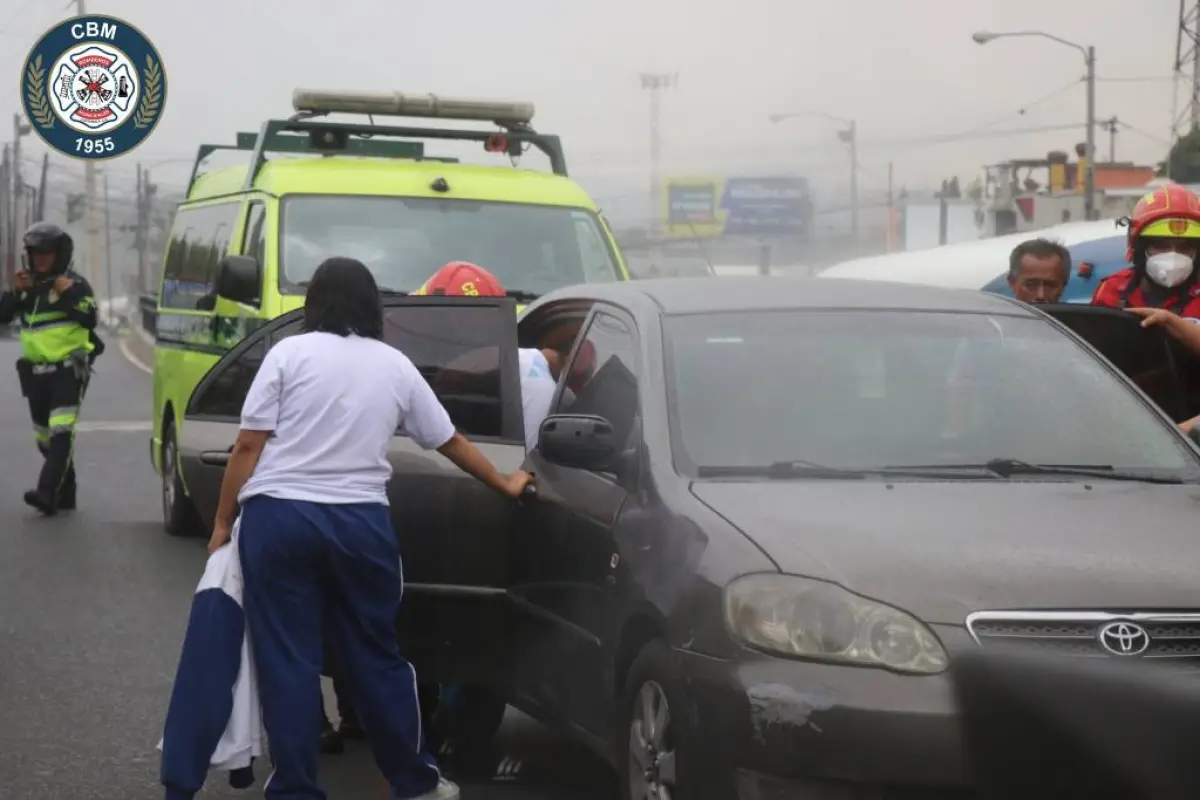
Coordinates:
(809, 727)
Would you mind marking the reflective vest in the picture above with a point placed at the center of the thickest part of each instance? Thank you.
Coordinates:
(53, 327)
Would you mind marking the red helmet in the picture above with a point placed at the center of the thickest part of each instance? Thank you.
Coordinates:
(462, 278)
(1169, 212)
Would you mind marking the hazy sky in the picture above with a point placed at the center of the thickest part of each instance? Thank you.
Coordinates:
(903, 70)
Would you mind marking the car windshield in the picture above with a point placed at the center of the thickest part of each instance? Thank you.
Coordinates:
(879, 389)
(403, 240)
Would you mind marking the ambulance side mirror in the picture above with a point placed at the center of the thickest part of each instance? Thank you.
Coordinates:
(239, 280)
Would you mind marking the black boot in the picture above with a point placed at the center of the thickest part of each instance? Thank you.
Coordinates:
(42, 502)
(351, 729)
(331, 739)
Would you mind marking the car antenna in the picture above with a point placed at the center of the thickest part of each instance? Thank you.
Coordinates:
(700, 244)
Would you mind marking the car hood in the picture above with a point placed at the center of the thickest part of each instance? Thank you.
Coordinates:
(941, 550)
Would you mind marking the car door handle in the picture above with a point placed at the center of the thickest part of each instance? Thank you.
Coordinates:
(215, 458)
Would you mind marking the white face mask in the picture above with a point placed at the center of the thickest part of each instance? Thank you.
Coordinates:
(1169, 269)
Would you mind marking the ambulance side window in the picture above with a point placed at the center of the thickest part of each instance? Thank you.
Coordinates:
(199, 240)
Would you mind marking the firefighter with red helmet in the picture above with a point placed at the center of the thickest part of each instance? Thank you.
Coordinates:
(1164, 237)
(462, 278)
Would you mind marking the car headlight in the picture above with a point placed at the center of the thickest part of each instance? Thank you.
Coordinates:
(812, 619)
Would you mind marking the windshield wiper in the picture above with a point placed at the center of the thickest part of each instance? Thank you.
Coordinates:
(387, 291)
(522, 296)
(784, 470)
(1007, 467)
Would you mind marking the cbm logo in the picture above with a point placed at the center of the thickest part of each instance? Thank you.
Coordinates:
(93, 87)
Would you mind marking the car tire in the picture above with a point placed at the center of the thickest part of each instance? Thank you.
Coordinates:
(473, 720)
(179, 515)
(668, 762)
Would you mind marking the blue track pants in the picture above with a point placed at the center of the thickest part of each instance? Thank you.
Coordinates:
(300, 560)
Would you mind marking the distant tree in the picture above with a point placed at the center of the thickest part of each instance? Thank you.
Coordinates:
(975, 190)
(950, 189)
(1183, 163)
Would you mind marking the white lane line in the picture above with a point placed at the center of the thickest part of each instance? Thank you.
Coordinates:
(84, 426)
(132, 359)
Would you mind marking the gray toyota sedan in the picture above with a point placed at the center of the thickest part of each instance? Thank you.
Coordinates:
(769, 513)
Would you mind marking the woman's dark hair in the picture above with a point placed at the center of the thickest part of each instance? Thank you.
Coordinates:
(343, 298)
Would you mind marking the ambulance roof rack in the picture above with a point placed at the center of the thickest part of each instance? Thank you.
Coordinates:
(318, 137)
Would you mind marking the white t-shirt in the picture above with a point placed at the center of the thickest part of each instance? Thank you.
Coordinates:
(537, 392)
(334, 403)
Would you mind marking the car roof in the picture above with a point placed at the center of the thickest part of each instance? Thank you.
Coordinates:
(394, 178)
(967, 265)
(714, 294)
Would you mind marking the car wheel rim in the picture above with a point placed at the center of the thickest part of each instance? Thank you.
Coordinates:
(168, 478)
(651, 750)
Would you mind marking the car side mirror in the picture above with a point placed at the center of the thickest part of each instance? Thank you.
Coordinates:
(239, 279)
(581, 441)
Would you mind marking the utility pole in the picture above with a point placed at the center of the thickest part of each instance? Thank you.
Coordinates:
(6, 218)
(1089, 174)
(850, 137)
(41, 195)
(139, 230)
(92, 211)
(655, 83)
(891, 209)
(108, 270)
(1187, 67)
(16, 190)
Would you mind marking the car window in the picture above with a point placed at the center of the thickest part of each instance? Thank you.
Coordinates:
(404, 240)
(199, 240)
(874, 389)
(602, 378)
(224, 394)
(452, 348)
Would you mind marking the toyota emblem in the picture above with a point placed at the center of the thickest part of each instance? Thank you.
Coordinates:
(1123, 638)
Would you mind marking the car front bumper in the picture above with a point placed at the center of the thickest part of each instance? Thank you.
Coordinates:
(791, 728)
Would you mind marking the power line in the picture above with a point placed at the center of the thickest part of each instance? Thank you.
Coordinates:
(1143, 79)
(1066, 87)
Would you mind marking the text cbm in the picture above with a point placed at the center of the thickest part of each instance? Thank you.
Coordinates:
(94, 30)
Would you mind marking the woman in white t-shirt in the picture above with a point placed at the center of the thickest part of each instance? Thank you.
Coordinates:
(309, 471)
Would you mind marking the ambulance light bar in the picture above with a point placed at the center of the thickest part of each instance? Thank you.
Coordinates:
(397, 104)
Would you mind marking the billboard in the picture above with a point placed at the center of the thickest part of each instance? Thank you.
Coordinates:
(712, 207)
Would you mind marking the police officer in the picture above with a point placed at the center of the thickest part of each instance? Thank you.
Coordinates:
(57, 314)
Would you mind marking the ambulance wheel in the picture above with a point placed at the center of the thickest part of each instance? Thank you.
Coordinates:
(179, 515)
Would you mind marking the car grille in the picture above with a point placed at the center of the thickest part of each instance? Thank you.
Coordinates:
(1170, 640)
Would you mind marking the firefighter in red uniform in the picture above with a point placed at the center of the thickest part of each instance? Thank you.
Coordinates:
(1164, 236)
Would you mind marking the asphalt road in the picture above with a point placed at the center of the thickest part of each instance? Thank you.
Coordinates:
(92, 611)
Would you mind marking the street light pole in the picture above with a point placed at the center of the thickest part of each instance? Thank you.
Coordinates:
(1089, 57)
(1089, 172)
(849, 137)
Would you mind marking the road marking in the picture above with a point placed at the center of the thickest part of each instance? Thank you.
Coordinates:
(113, 427)
(132, 359)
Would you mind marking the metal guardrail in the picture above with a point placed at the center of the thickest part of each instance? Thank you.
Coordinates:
(148, 305)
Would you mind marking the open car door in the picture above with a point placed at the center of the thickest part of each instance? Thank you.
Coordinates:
(1161, 367)
(453, 531)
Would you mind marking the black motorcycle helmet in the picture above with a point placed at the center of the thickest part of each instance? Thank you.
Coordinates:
(46, 237)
